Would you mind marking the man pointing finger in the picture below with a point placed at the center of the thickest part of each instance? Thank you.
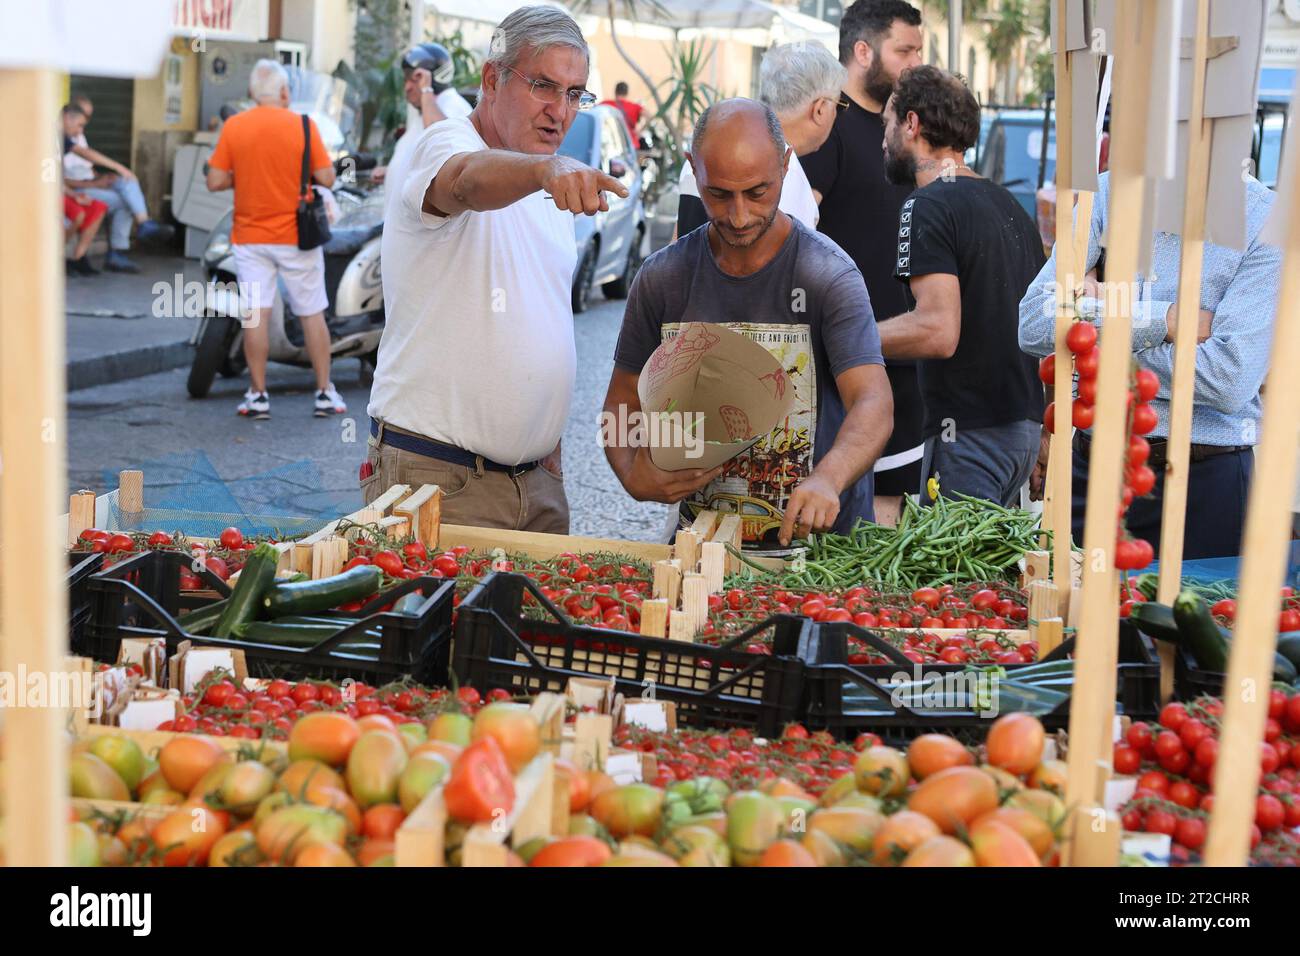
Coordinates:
(476, 365)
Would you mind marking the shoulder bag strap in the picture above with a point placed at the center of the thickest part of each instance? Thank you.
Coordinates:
(306, 154)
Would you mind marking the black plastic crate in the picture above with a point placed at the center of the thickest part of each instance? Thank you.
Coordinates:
(141, 597)
(1191, 680)
(849, 699)
(81, 565)
(712, 685)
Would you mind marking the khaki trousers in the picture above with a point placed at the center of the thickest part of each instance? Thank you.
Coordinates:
(533, 501)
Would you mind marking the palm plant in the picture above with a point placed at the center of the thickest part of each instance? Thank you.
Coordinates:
(687, 95)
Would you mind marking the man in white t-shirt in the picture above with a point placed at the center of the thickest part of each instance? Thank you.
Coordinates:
(477, 361)
(428, 69)
(801, 83)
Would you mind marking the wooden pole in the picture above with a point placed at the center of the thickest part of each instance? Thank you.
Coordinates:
(1263, 567)
(33, 599)
(1093, 702)
(1057, 496)
(1178, 449)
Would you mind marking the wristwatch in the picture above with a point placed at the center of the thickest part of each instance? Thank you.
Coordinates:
(429, 89)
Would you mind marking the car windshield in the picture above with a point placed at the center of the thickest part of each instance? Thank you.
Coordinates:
(577, 143)
(1012, 153)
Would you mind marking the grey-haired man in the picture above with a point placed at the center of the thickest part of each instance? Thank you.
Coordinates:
(477, 361)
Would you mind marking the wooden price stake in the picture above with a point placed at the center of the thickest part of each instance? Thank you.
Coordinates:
(1072, 226)
(1263, 565)
(1096, 655)
(33, 595)
(1178, 448)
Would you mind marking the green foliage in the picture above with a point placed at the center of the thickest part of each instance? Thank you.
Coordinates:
(685, 95)
(469, 68)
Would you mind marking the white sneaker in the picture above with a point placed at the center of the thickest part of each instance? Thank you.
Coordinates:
(329, 402)
(256, 405)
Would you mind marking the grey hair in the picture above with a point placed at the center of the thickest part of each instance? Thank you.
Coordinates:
(793, 75)
(267, 78)
(773, 124)
(534, 28)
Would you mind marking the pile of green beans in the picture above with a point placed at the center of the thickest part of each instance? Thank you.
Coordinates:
(955, 539)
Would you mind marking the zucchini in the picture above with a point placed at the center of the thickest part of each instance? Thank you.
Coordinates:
(308, 597)
(1148, 585)
(1209, 643)
(1199, 633)
(246, 598)
(1155, 620)
(275, 632)
(1288, 645)
(201, 619)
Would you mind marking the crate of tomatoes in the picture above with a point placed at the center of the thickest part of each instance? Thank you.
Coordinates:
(510, 634)
(362, 624)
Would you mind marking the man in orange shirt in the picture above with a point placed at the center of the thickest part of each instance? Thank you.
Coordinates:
(259, 155)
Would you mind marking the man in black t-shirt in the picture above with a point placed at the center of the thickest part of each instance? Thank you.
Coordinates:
(967, 252)
(859, 208)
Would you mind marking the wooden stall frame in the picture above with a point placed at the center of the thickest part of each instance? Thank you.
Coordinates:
(1096, 657)
(1263, 568)
(1178, 447)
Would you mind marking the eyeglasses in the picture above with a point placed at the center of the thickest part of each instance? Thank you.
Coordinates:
(548, 92)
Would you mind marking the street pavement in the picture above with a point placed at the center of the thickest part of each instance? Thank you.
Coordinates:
(199, 455)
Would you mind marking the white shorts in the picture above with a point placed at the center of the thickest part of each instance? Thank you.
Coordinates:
(303, 272)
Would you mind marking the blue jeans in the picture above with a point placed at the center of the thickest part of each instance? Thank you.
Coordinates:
(990, 463)
(125, 201)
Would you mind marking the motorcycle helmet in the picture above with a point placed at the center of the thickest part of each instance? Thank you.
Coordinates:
(434, 58)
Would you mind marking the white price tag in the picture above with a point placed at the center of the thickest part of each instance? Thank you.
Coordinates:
(1119, 791)
(649, 715)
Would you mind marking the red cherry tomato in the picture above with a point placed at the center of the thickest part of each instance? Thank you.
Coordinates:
(1081, 337)
(232, 539)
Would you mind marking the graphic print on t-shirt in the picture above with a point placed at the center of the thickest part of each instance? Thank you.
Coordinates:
(757, 483)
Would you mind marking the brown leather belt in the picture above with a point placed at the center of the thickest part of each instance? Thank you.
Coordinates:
(1159, 450)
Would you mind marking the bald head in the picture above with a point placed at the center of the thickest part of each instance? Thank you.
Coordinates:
(739, 117)
(739, 157)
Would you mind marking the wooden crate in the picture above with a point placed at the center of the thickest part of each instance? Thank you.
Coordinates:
(153, 740)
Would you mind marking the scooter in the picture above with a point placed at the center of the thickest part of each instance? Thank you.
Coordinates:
(354, 316)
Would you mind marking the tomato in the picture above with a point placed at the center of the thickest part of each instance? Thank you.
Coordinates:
(1049, 417)
(1081, 337)
(1081, 414)
(479, 786)
(1047, 369)
(1192, 732)
(865, 619)
(1167, 744)
(1173, 716)
(1144, 418)
(794, 732)
(930, 597)
(446, 565)
(1132, 820)
(304, 692)
(159, 539)
(1155, 781)
(1176, 762)
(416, 550)
(1147, 384)
(1225, 608)
(1269, 812)
(1288, 620)
(1087, 363)
(389, 562)
(359, 561)
(1161, 821)
(1190, 832)
(1268, 758)
(1184, 794)
(1207, 752)
(984, 600)
(217, 694)
(217, 567)
(1126, 760)
(813, 608)
(119, 542)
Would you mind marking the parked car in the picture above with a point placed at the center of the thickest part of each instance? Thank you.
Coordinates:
(1012, 151)
(610, 244)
